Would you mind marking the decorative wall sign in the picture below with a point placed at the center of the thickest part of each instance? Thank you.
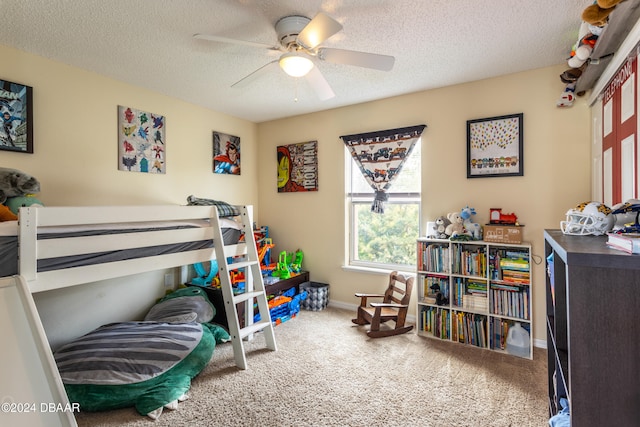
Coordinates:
(298, 167)
(141, 141)
(226, 153)
(494, 146)
(16, 110)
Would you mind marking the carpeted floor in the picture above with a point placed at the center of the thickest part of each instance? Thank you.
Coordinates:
(327, 372)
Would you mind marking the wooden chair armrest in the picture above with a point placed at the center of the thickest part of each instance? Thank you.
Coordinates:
(364, 297)
(360, 295)
(388, 304)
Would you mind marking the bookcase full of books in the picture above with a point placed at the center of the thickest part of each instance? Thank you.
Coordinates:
(474, 292)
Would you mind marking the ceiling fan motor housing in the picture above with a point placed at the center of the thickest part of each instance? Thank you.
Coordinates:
(288, 29)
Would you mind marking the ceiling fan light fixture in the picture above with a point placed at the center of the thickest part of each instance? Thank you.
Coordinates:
(295, 65)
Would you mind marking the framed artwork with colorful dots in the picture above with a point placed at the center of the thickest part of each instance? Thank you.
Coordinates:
(494, 146)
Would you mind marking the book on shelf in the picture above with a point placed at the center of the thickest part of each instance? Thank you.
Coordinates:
(475, 302)
(627, 242)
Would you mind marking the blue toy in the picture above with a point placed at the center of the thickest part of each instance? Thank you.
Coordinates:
(203, 278)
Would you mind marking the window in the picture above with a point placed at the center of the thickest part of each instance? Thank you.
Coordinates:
(388, 240)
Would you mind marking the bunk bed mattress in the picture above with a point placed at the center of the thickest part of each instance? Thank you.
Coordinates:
(9, 243)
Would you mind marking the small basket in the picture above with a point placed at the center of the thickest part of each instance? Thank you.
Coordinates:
(317, 296)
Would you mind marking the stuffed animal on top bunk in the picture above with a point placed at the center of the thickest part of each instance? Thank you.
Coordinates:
(16, 183)
(149, 364)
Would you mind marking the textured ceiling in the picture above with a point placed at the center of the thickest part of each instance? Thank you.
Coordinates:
(149, 43)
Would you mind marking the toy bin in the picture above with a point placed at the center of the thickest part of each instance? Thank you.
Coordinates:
(317, 296)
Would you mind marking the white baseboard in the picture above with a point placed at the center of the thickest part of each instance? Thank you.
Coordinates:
(412, 319)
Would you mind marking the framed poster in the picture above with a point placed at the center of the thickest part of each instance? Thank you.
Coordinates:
(494, 146)
(16, 110)
(226, 153)
(141, 141)
(298, 167)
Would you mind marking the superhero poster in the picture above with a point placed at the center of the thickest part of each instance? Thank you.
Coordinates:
(298, 167)
(226, 153)
(141, 141)
(16, 133)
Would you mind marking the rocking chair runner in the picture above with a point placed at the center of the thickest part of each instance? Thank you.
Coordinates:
(394, 306)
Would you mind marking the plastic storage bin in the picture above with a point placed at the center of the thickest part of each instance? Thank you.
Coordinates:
(317, 296)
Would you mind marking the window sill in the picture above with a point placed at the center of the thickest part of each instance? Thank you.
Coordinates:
(372, 270)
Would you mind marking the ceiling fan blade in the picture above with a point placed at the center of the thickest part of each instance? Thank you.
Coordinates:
(319, 84)
(254, 75)
(320, 28)
(213, 38)
(359, 59)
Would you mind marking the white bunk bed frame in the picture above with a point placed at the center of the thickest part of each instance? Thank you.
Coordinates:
(31, 249)
(39, 372)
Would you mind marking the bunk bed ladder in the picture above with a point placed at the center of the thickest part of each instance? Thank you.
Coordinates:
(254, 290)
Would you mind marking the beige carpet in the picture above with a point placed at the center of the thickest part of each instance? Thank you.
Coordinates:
(327, 372)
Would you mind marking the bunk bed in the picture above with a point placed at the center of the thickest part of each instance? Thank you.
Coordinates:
(60, 247)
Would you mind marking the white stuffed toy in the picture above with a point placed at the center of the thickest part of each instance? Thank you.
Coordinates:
(456, 226)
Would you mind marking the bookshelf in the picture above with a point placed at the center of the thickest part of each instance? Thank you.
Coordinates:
(473, 292)
(593, 294)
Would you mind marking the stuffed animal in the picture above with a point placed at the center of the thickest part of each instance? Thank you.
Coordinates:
(456, 226)
(470, 228)
(16, 183)
(440, 227)
(582, 49)
(567, 97)
(598, 13)
(6, 214)
(15, 203)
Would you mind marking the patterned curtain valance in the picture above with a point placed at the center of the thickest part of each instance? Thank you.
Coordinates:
(380, 156)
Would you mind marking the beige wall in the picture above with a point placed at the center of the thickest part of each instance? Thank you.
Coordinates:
(76, 153)
(75, 158)
(76, 146)
(556, 170)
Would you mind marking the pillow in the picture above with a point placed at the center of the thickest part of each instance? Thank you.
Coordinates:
(184, 305)
(224, 209)
(148, 365)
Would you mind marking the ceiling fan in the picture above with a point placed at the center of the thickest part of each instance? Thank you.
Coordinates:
(300, 39)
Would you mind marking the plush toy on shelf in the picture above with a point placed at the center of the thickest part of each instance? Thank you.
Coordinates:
(471, 228)
(456, 227)
(440, 228)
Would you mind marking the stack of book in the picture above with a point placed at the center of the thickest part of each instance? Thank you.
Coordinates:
(475, 297)
(515, 270)
(475, 302)
(626, 242)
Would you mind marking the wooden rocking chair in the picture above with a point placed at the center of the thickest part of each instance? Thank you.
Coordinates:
(394, 306)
